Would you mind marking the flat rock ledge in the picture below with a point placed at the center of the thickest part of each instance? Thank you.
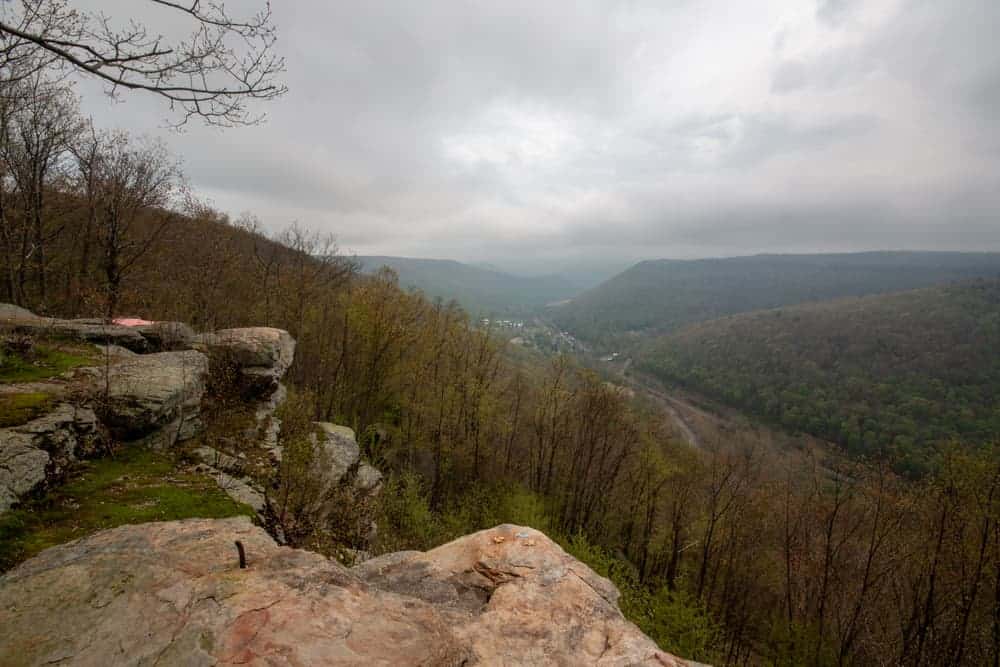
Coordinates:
(173, 594)
(148, 389)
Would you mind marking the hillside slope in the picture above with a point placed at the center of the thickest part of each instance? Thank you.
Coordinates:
(900, 370)
(479, 289)
(666, 294)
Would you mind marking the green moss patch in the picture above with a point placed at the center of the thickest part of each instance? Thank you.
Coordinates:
(45, 361)
(135, 486)
(20, 408)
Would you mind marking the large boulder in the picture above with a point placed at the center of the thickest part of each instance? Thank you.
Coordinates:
(21, 320)
(95, 332)
(340, 446)
(368, 479)
(166, 336)
(37, 453)
(515, 597)
(261, 355)
(267, 425)
(173, 593)
(22, 468)
(153, 393)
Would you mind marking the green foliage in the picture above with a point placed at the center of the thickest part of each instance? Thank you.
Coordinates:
(790, 645)
(406, 520)
(134, 486)
(307, 509)
(45, 361)
(676, 621)
(879, 375)
(22, 407)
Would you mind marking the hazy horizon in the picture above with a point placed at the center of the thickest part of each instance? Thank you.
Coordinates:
(599, 271)
(561, 135)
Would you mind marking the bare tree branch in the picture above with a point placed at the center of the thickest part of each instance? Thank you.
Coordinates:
(214, 73)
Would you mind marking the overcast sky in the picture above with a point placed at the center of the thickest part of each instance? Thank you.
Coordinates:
(538, 135)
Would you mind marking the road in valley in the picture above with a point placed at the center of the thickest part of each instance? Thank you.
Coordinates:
(671, 405)
(679, 411)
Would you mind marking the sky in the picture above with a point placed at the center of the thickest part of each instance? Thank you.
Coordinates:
(557, 135)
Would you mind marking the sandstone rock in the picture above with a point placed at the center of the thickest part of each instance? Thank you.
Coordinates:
(135, 335)
(154, 391)
(368, 479)
(172, 593)
(114, 353)
(219, 460)
(341, 447)
(22, 468)
(37, 453)
(267, 425)
(242, 490)
(228, 472)
(375, 567)
(88, 331)
(167, 336)
(515, 597)
(9, 311)
(262, 354)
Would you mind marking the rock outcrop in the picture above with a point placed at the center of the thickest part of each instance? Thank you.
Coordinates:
(166, 336)
(91, 331)
(261, 354)
(37, 453)
(148, 386)
(174, 594)
(146, 393)
(340, 446)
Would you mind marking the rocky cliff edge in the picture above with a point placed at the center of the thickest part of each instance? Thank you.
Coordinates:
(174, 594)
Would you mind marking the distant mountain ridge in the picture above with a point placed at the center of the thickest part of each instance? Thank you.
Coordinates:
(662, 295)
(478, 289)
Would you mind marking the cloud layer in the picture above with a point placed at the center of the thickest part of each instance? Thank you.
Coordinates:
(539, 135)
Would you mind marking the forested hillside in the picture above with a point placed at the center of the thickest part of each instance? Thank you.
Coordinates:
(894, 372)
(663, 295)
(479, 290)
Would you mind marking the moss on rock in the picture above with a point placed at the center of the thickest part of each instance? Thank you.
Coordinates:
(21, 407)
(136, 485)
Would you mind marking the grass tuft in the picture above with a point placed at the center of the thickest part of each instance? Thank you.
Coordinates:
(22, 407)
(45, 361)
(137, 485)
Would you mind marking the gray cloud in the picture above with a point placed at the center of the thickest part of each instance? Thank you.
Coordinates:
(543, 134)
(836, 12)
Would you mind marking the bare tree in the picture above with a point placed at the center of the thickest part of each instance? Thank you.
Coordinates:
(21, 58)
(88, 150)
(213, 73)
(136, 179)
(43, 122)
